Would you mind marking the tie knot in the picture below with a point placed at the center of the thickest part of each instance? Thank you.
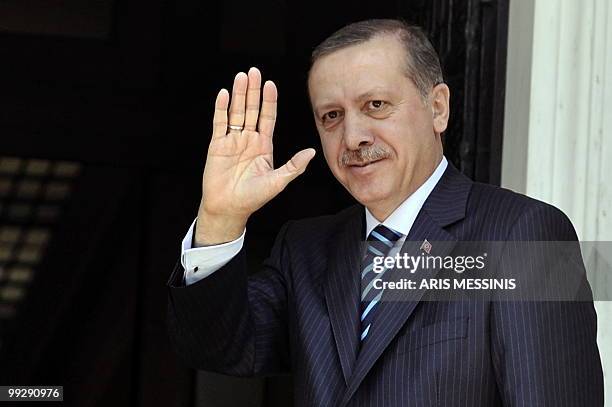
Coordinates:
(382, 233)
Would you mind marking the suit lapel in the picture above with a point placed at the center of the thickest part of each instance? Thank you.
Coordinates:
(342, 290)
(445, 205)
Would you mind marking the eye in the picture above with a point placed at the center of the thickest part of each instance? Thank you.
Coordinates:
(376, 104)
(333, 115)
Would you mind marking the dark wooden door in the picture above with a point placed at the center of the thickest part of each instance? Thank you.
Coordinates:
(123, 90)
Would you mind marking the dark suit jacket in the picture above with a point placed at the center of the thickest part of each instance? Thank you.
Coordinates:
(300, 315)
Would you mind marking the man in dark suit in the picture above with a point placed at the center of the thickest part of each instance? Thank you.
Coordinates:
(315, 310)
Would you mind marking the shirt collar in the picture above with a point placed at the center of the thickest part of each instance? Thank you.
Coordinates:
(402, 218)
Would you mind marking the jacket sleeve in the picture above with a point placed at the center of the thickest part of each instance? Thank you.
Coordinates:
(545, 351)
(230, 322)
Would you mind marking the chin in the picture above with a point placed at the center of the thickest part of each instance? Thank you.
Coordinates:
(368, 196)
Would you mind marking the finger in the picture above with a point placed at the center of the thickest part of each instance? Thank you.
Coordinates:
(252, 99)
(267, 116)
(294, 167)
(236, 110)
(220, 116)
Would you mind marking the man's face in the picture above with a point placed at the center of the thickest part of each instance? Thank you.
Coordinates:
(380, 139)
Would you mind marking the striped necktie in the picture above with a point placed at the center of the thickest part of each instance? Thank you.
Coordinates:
(380, 242)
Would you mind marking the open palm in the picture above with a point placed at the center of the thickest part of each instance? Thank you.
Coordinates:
(239, 176)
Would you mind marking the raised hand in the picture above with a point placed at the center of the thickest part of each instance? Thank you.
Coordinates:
(239, 176)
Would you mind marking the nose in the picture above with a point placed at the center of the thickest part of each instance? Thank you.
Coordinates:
(356, 133)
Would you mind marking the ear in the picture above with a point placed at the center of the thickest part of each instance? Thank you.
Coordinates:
(440, 106)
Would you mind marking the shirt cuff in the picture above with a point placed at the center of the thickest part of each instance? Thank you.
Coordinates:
(200, 262)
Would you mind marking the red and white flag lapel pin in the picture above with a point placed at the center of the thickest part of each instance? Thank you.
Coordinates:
(426, 246)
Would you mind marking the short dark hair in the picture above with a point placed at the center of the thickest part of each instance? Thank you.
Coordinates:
(422, 62)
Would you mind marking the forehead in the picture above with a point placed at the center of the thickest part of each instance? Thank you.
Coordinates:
(376, 65)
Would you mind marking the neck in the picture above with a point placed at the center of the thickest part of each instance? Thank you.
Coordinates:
(382, 213)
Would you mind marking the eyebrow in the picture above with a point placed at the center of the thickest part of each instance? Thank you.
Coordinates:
(370, 94)
(325, 105)
(364, 96)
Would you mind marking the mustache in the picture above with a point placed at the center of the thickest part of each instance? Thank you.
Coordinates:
(364, 155)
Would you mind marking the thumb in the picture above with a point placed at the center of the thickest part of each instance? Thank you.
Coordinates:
(294, 167)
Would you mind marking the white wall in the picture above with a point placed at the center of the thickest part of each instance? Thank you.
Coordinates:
(558, 126)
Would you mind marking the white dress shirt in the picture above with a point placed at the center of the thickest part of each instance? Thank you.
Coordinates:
(200, 262)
